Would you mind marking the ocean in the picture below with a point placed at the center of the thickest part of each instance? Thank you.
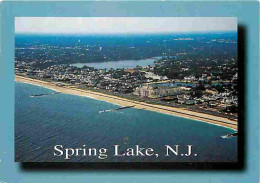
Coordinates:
(74, 121)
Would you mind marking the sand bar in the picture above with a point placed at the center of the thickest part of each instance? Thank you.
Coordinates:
(180, 112)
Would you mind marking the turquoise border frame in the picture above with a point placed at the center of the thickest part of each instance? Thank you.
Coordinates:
(247, 14)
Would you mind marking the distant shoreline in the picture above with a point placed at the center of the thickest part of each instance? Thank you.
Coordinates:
(126, 34)
(179, 112)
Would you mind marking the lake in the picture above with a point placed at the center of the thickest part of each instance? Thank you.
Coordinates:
(119, 64)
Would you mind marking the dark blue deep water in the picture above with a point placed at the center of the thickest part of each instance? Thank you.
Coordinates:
(73, 121)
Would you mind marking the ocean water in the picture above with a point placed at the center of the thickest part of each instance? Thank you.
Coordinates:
(74, 121)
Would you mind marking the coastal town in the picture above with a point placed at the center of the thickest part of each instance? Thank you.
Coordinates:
(157, 82)
(209, 92)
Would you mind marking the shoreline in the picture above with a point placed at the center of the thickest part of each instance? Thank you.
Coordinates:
(179, 112)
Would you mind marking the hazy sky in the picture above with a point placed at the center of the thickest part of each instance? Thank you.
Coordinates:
(115, 25)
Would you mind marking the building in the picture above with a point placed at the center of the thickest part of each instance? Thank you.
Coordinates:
(151, 75)
(155, 91)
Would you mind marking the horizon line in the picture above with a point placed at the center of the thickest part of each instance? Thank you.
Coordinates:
(129, 33)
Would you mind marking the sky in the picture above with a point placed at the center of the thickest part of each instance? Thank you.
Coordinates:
(122, 25)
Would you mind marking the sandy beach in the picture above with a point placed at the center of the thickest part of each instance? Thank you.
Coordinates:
(180, 112)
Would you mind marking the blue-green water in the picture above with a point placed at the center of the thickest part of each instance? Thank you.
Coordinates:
(71, 121)
(178, 84)
(119, 64)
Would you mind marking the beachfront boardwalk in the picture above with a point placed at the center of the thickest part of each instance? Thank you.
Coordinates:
(136, 104)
